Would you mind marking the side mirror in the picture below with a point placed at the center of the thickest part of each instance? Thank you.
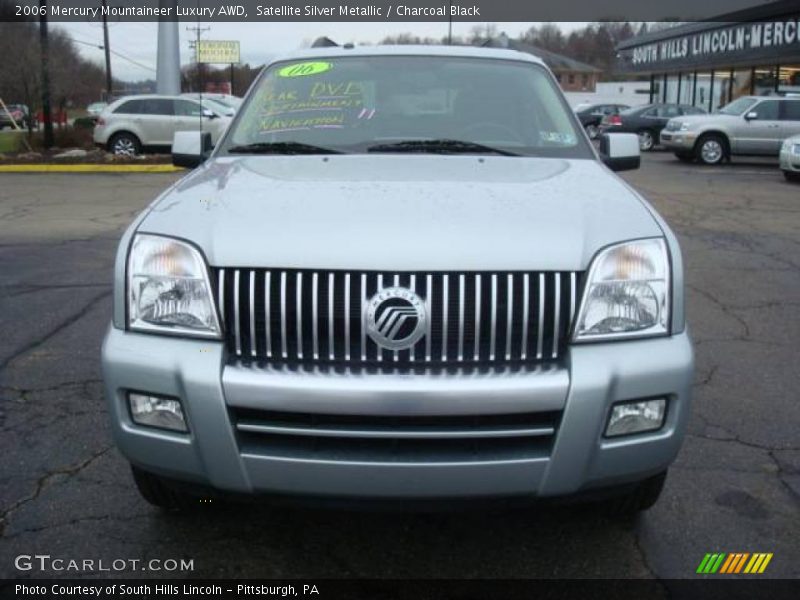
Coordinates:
(751, 116)
(209, 114)
(191, 148)
(620, 151)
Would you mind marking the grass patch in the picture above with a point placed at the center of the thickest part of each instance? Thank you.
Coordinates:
(11, 142)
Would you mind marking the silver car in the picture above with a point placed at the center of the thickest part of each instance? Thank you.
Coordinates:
(404, 272)
(790, 158)
(134, 123)
(750, 125)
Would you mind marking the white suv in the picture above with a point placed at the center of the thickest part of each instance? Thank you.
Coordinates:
(134, 123)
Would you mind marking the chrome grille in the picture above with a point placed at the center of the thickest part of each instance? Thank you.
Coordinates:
(308, 316)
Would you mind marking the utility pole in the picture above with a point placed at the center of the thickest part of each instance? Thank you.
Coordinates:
(45, 50)
(450, 23)
(109, 84)
(196, 47)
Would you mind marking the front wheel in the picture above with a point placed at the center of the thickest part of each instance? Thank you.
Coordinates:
(644, 496)
(791, 176)
(647, 140)
(156, 492)
(710, 149)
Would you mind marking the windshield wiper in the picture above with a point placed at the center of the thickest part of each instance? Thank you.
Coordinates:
(281, 148)
(442, 146)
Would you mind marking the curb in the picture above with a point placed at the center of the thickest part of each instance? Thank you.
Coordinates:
(88, 168)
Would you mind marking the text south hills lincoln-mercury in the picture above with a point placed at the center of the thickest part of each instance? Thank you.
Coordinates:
(401, 273)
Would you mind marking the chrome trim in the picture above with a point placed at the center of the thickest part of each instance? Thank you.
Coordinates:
(413, 349)
(380, 287)
(236, 316)
(461, 294)
(283, 314)
(477, 317)
(477, 433)
(347, 316)
(445, 324)
(572, 291)
(557, 317)
(252, 299)
(540, 319)
(221, 294)
(331, 348)
(396, 354)
(526, 283)
(493, 314)
(363, 317)
(315, 315)
(267, 311)
(429, 309)
(298, 311)
(509, 312)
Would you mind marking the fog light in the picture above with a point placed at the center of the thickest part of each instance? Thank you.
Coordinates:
(156, 411)
(636, 417)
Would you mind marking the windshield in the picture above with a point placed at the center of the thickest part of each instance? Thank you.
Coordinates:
(377, 103)
(737, 107)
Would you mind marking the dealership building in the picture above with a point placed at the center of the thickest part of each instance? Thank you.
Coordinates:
(708, 64)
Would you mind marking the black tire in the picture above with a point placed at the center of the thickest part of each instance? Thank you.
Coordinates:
(791, 176)
(153, 489)
(686, 157)
(711, 149)
(644, 496)
(124, 144)
(648, 140)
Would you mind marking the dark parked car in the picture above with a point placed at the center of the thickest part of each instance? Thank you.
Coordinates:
(646, 121)
(19, 113)
(590, 115)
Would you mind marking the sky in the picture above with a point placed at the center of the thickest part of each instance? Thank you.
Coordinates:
(136, 42)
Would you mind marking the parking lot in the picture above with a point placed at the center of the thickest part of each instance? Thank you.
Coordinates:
(65, 491)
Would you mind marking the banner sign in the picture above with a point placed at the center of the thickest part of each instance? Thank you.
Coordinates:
(217, 51)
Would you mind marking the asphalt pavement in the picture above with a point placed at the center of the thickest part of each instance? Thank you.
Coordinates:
(66, 492)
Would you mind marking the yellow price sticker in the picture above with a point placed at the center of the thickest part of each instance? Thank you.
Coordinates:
(305, 68)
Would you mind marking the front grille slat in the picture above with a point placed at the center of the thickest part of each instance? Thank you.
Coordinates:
(312, 316)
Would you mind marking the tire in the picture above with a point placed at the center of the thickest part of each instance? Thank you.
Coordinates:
(155, 491)
(640, 499)
(647, 140)
(711, 149)
(791, 176)
(124, 144)
(685, 157)
(592, 131)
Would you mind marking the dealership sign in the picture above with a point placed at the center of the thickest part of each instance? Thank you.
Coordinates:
(216, 51)
(716, 44)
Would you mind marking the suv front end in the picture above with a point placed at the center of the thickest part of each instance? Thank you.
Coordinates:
(521, 335)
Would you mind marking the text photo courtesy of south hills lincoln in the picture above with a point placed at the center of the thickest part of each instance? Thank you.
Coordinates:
(379, 300)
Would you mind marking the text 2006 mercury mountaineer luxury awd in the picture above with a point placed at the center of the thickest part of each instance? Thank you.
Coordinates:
(403, 273)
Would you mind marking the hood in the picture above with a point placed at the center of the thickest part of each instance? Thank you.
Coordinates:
(401, 212)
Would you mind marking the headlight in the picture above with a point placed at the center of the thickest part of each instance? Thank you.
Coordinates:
(168, 288)
(626, 293)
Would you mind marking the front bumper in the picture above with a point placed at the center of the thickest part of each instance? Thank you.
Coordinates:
(678, 141)
(790, 160)
(217, 453)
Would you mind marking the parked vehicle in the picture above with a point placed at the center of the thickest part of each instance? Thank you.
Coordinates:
(404, 272)
(646, 121)
(134, 123)
(95, 108)
(213, 104)
(590, 115)
(790, 158)
(750, 125)
(19, 115)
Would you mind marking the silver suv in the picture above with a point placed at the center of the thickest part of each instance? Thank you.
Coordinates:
(404, 272)
(134, 123)
(750, 125)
